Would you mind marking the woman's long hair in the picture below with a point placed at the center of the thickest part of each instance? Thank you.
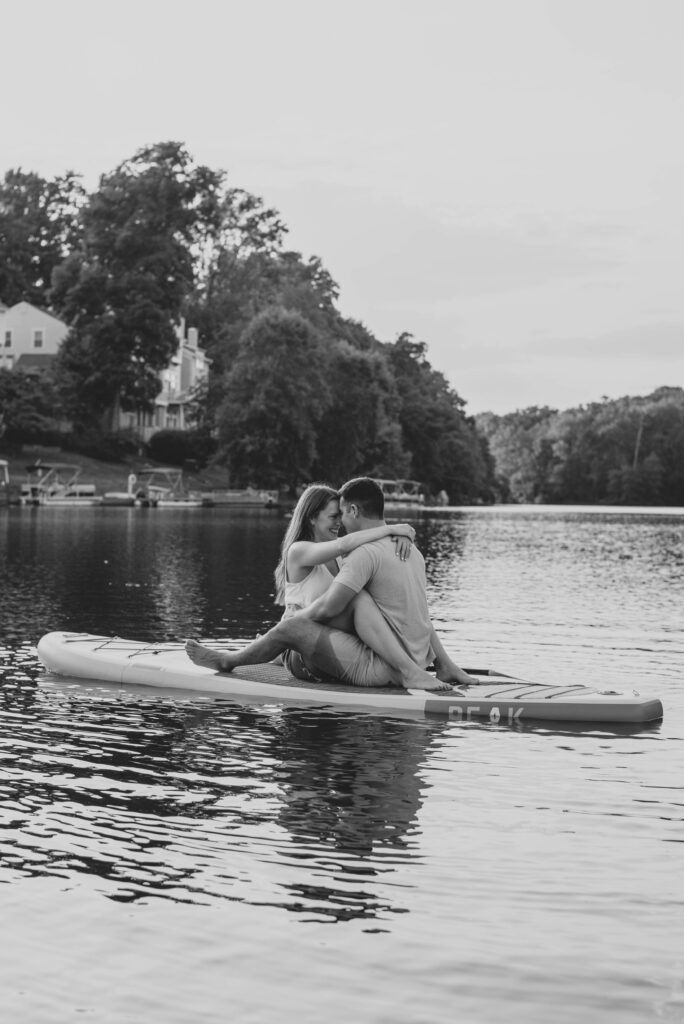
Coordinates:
(311, 504)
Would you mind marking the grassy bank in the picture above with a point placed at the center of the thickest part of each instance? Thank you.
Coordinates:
(107, 476)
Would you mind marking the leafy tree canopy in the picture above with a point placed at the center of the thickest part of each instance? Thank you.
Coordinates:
(28, 406)
(359, 433)
(295, 390)
(445, 448)
(275, 395)
(39, 226)
(623, 451)
(123, 290)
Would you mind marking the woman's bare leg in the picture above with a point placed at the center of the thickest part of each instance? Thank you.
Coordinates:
(258, 652)
(325, 649)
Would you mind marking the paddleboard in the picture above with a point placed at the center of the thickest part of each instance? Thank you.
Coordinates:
(496, 696)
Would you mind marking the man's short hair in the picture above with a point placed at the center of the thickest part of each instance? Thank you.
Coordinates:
(366, 494)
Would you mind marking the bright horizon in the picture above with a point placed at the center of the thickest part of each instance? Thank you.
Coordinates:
(503, 181)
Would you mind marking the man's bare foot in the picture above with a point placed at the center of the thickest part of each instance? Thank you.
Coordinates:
(207, 658)
(420, 680)
(454, 674)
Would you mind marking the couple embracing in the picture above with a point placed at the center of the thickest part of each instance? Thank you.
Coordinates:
(355, 605)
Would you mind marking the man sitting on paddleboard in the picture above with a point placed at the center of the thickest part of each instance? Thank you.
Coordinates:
(398, 588)
(401, 641)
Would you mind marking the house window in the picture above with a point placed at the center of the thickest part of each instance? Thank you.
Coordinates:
(9, 362)
(8, 339)
(38, 335)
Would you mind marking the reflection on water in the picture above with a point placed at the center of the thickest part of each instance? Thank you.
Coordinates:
(566, 593)
(185, 800)
(492, 577)
(139, 572)
(443, 543)
(516, 874)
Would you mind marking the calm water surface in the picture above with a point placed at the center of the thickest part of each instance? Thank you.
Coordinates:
(191, 859)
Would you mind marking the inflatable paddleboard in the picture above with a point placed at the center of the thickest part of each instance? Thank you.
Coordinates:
(496, 697)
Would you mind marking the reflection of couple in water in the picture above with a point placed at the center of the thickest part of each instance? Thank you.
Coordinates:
(355, 606)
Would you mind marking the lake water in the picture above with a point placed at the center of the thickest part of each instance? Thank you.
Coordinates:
(191, 860)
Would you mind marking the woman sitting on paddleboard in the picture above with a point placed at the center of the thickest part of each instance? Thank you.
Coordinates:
(308, 564)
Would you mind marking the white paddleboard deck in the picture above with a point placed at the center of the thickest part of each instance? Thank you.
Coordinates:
(496, 697)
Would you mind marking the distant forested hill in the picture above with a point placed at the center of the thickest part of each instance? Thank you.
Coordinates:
(627, 451)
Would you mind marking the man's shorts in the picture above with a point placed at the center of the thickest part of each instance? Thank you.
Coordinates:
(344, 658)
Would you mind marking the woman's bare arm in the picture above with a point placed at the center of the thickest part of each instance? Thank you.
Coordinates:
(306, 553)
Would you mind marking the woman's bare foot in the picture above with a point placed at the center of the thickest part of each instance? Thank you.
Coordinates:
(208, 658)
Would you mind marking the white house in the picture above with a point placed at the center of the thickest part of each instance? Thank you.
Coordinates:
(28, 335)
(30, 338)
(186, 370)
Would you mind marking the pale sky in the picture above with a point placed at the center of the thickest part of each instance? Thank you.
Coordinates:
(504, 179)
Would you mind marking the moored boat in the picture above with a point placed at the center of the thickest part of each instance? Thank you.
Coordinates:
(164, 487)
(247, 497)
(57, 484)
(9, 492)
(400, 494)
(122, 498)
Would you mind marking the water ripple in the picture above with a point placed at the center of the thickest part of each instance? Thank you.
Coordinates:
(533, 871)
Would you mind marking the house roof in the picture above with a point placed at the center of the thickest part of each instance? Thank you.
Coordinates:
(29, 361)
(25, 307)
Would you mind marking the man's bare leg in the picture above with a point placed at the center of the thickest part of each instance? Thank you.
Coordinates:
(364, 618)
(446, 669)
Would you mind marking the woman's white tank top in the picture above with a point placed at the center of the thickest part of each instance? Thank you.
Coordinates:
(301, 595)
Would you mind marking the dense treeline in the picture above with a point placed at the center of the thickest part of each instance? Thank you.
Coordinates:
(629, 451)
(296, 390)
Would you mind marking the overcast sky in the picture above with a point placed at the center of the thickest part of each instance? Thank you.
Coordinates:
(504, 179)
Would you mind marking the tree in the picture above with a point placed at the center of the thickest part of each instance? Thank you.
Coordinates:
(39, 227)
(245, 270)
(234, 256)
(663, 436)
(123, 291)
(522, 451)
(28, 406)
(359, 433)
(447, 453)
(275, 395)
(622, 451)
(254, 276)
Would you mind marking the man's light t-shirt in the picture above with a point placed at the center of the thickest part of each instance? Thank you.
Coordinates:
(398, 589)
